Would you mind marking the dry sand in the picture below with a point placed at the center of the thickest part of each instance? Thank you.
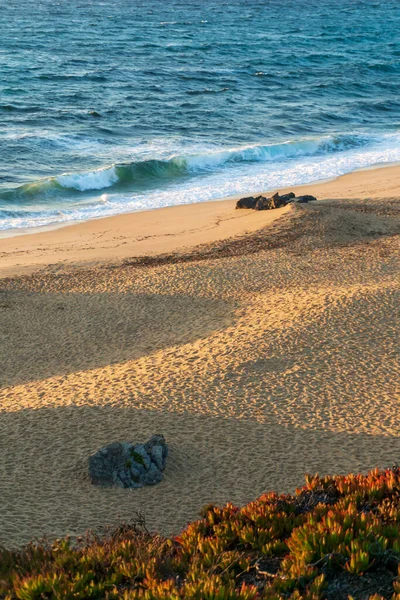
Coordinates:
(260, 357)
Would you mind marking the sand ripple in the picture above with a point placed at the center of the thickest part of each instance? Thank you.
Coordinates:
(257, 367)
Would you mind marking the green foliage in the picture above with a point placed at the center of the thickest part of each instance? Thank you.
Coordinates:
(275, 548)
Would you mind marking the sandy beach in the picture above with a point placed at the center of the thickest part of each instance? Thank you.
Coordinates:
(263, 345)
(175, 229)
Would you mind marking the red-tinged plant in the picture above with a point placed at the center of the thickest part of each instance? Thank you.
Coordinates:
(276, 548)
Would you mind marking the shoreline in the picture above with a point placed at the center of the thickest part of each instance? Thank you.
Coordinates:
(171, 229)
(10, 233)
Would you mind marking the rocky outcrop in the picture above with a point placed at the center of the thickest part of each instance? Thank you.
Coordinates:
(276, 201)
(127, 465)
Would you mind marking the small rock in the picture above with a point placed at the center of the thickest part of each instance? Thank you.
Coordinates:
(264, 203)
(305, 199)
(279, 201)
(261, 203)
(287, 198)
(249, 202)
(127, 465)
(276, 201)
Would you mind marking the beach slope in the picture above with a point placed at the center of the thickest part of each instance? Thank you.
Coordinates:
(260, 356)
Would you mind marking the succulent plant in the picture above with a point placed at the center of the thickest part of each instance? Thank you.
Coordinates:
(279, 547)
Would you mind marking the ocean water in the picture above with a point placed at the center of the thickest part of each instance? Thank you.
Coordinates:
(110, 106)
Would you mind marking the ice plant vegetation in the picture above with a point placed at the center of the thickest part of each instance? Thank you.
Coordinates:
(336, 538)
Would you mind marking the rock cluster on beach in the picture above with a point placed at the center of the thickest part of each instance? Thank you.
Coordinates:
(127, 465)
(276, 201)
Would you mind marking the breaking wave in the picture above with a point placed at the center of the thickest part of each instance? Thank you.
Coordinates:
(125, 175)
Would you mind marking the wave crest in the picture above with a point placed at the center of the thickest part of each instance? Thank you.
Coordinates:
(123, 175)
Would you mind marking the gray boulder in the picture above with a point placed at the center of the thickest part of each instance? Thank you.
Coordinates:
(127, 465)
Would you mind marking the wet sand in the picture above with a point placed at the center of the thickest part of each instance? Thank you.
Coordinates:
(174, 229)
(260, 354)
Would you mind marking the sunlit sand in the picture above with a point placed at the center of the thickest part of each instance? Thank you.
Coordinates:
(268, 351)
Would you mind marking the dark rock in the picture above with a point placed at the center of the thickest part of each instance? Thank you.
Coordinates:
(279, 201)
(263, 203)
(276, 201)
(305, 199)
(127, 465)
(249, 202)
(287, 198)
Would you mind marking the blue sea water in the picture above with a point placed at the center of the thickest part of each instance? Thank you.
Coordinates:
(109, 106)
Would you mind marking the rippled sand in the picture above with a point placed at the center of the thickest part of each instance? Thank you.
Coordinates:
(259, 359)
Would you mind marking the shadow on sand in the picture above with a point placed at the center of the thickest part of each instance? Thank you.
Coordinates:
(45, 489)
(48, 334)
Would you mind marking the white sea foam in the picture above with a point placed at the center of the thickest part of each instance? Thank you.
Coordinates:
(221, 173)
(260, 153)
(45, 137)
(95, 180)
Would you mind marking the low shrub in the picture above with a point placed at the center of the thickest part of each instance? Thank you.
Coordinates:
(336, 538)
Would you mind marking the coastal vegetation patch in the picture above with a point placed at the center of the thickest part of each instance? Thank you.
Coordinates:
(338, 537)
